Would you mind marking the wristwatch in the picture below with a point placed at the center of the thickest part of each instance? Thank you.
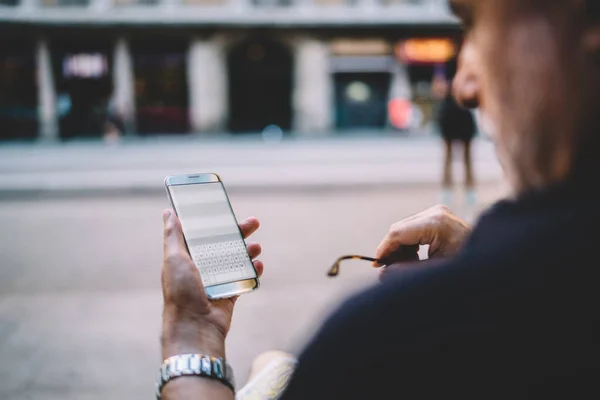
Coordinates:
(194, 365)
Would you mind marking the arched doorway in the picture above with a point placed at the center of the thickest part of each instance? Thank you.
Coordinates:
(260, 86)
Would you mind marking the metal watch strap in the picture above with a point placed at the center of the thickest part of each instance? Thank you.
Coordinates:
(194, 365)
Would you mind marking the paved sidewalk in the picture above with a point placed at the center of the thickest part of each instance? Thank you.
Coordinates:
(80, 296)
(245, 164)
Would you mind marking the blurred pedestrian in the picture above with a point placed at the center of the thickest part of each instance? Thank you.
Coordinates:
(114, 128)
(457, 127)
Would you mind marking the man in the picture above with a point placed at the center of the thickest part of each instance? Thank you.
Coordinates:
(457, 127)
(506, 311)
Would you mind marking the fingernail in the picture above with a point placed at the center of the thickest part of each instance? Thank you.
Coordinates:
(166, 215)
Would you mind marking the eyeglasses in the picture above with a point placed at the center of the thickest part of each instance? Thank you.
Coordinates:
(403, 254)
(335, 268)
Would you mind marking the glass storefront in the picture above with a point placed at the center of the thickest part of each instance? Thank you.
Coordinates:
(361, 100)
(362, 76)
(161, 86)
(18, 90)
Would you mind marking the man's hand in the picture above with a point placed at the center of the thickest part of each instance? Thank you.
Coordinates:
(191, 322)
(437, 227)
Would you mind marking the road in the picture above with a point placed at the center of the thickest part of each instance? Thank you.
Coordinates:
(248, 164)
(80, 299)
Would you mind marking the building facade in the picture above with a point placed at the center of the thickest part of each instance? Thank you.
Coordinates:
(81, 68)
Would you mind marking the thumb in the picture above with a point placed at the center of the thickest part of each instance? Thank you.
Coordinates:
(173, 235)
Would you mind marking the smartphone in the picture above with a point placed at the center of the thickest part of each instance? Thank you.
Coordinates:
(212, 234)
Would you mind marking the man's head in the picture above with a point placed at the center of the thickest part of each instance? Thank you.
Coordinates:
(533, 68)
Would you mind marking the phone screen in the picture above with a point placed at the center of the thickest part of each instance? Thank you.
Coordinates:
(211, 233)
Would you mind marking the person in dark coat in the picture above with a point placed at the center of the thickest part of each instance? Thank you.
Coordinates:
(457, 127)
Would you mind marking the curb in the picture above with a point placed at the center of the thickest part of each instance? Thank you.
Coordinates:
(251, 190)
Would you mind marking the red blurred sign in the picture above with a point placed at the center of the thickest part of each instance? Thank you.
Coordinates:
(400, 113)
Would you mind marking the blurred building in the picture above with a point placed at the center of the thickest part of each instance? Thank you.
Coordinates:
(77, 68)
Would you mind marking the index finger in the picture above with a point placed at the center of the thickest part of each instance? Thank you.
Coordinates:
(249, 226)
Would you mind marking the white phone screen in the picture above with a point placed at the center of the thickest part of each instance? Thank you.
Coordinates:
(211, 233)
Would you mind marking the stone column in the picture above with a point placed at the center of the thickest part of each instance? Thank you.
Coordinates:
(313, 102)
(47, 117)
(123, 82)
(207, 80)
